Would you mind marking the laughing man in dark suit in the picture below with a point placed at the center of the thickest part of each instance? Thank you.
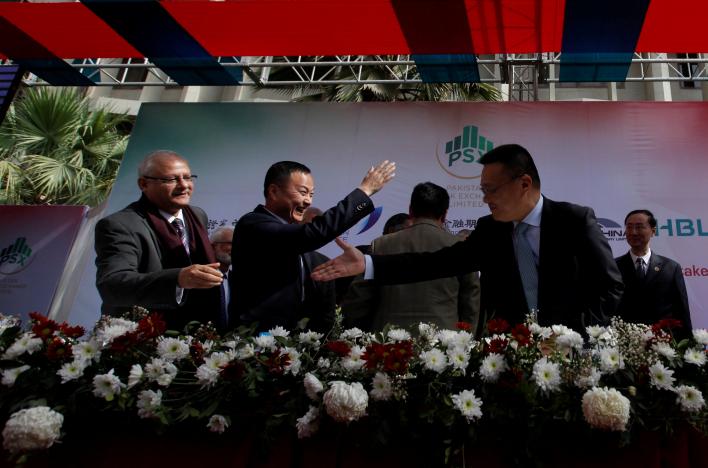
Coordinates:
(269, 280)
(533, 253)
(654, 285)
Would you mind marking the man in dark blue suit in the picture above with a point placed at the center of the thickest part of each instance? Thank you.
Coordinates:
(269, 271)
(654, 285)
(533, 253)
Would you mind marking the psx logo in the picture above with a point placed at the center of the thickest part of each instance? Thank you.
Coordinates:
(460, 156)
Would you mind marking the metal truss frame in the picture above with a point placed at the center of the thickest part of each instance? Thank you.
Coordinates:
(523, 73)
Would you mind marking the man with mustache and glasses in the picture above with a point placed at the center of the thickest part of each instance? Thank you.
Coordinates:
(269, 270)
(156, 253)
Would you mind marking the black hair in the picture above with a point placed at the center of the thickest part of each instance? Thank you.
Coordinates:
(652, 219)
(516, 159)
(429, 200)
(280, 171)
(395, 223)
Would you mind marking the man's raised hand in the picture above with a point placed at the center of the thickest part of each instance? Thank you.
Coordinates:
(350, 263)
(377, 177)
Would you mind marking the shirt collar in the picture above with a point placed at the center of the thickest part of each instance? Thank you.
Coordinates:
(281, 219)
(534, 216)
(171, 218)
(643, 257)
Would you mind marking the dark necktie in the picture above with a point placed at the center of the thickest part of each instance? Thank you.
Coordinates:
(527, 265)
(181, 232)
(641, 271)
(224, 309)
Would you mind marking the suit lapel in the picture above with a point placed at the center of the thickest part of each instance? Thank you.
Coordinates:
(654, 268)
(545, 246)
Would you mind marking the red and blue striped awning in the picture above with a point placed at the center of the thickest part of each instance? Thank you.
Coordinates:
(597, 38)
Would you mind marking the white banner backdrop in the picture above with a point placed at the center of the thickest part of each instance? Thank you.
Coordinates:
(34, 244)
(614, 157)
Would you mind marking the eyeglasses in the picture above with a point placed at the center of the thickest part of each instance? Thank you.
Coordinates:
(491, 191)
(173, 180)
(636, 227)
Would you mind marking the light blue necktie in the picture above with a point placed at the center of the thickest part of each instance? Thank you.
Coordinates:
(527, 265)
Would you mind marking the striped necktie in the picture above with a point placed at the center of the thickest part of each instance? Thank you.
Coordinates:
(641, 269)
(527, 265)
(181, 232)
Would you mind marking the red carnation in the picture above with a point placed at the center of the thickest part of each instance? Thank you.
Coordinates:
(375, 353)
(277, 362)
(666, 324)
(339, 347)
(152, 326)
(497, 326)
(58, 349)
(466, 326)
(521, 334)
(233, 370)
(71, 332)
(123, 343)
(43, 327)
(497, 345)
(398, 357)
(197, 351)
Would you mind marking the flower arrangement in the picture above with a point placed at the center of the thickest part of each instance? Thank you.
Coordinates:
(421, 383)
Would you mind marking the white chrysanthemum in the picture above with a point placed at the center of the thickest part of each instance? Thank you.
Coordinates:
(546, 374)
(459, 358)
(265, 342)
(606, 408)
(610, 360)
(595, 331)
(313, 386)
(114, 327)
(701, 336)
(560, 330)
(308, 424)
(346, 402)
(247, 351)
(446, 337)
(542, 332)
(218, 360)
(398, 334)
(279, 331)
(690, 398)
(294, 364)
(310, 338)
(492, 367)
(87, 350)
(434, 360)
(32, 429)
(172, 349)
(207, 376)
(7, 321)
(353, 361)
(72, 370)
(323, 363)
(218, 423)
(26, 343)
(468, 404)
(463, 339)
(10, 375)
(352, 333)
(148, 402)
(107, 385)
(135, 375)
(160, 371)
(381, 388)
(208, 344)
(570, 340)
(590, 380)
(664, 349)
(694, 356)
(231, 344)
(661, 377)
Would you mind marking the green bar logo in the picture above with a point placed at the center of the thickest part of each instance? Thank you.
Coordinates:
(15, 257)
(460, 155)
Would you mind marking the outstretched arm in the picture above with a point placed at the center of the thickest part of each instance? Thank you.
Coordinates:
(350, 263)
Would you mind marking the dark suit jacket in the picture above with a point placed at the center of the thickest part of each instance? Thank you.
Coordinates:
(443, 301)
(579, 283)
(320, 296)
(130, 271)
(266, 257)
(661, 294)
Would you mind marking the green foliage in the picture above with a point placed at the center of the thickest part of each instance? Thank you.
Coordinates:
(56, 149)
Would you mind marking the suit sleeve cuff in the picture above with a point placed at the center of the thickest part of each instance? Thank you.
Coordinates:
(369, 270)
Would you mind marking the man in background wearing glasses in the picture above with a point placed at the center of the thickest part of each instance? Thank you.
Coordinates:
(533, 253)
(156, 253)
(654, 285)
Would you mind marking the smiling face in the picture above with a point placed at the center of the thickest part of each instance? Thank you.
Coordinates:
(638, 232)
(167, 196)
(290, 199)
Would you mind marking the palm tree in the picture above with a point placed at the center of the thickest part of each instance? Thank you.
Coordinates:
(364, 92)
(55, 149)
